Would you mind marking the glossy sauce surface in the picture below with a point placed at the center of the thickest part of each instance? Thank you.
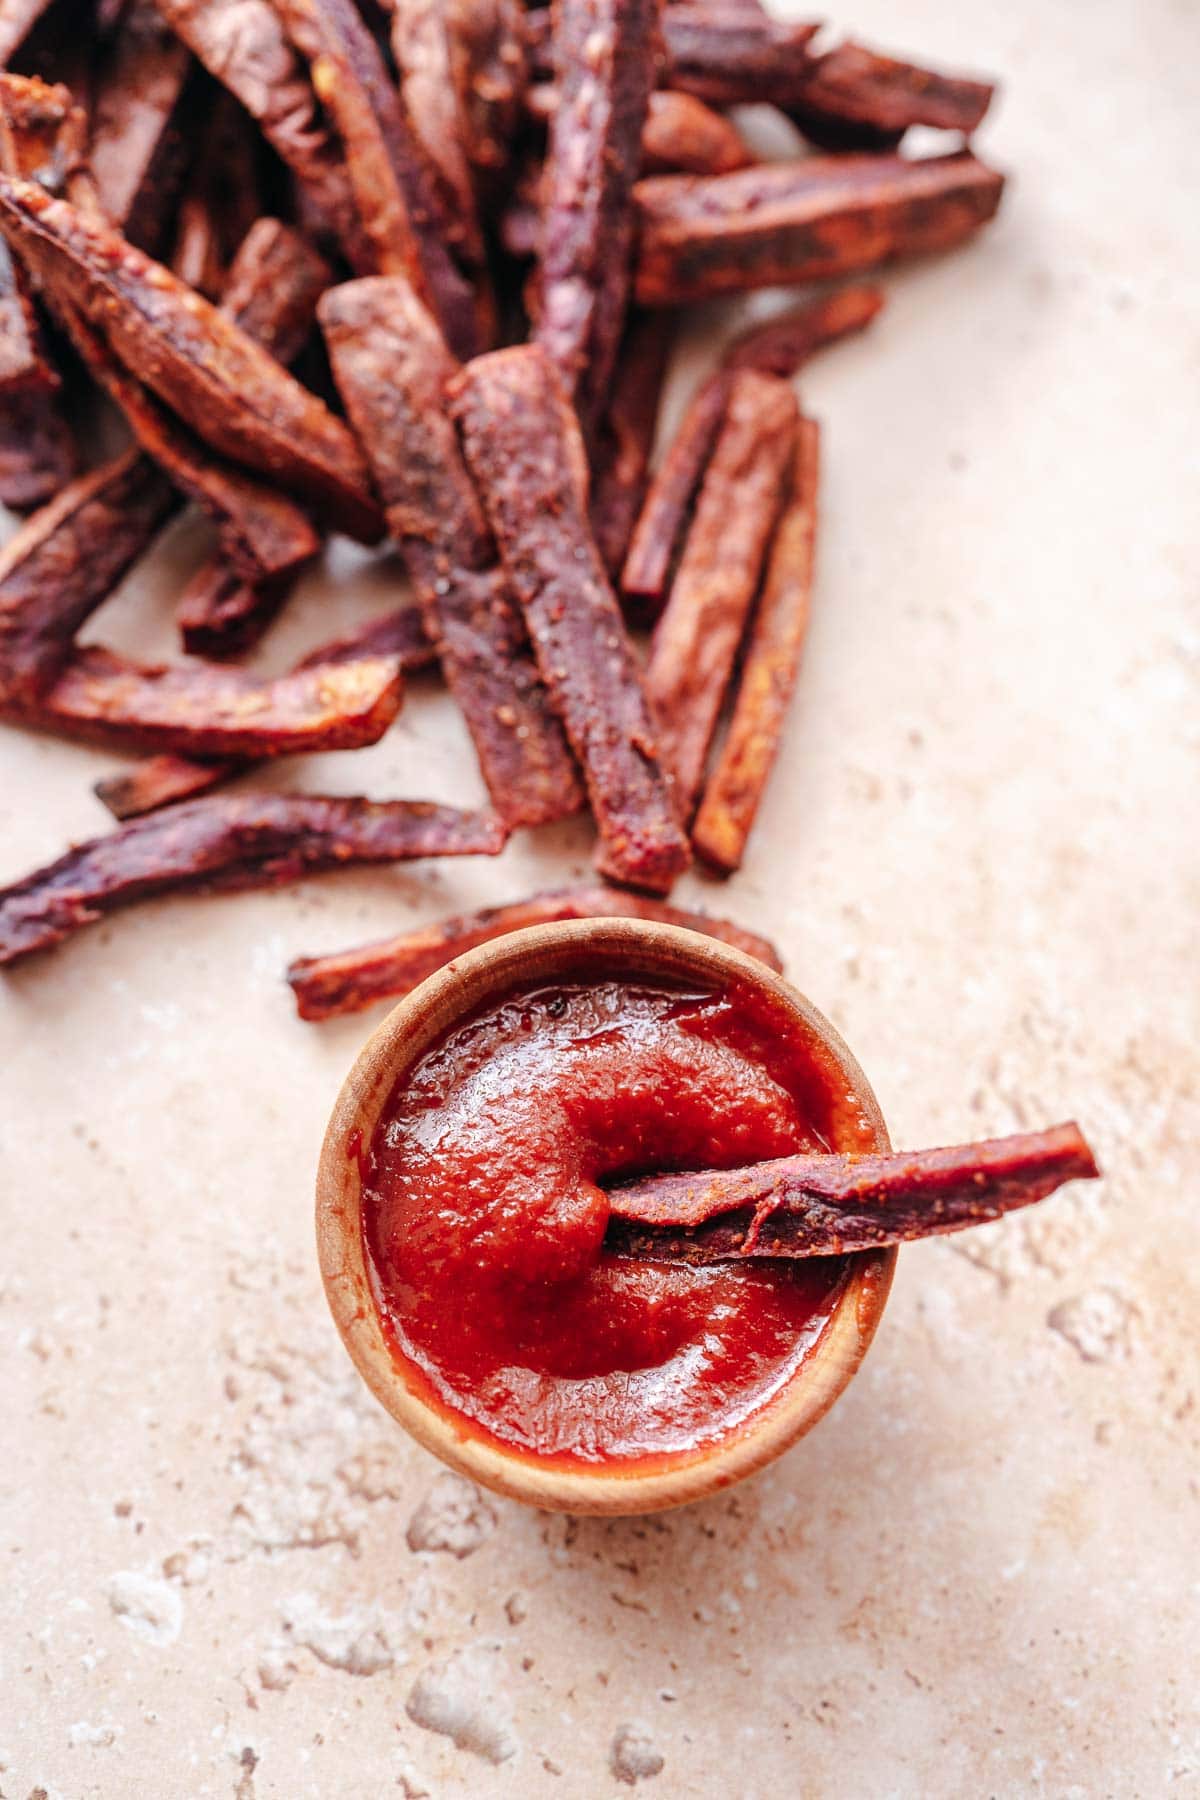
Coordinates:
(484, 1220)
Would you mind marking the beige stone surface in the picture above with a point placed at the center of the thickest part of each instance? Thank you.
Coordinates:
(225, 1573)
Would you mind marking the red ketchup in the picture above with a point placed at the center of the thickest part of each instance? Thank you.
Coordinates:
(484, 1215)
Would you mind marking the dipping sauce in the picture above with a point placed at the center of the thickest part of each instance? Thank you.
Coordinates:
(484, 1215)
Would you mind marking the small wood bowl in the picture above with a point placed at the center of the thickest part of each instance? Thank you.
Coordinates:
(546, 953)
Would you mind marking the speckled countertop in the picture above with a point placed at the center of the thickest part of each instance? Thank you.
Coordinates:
(226, 1574)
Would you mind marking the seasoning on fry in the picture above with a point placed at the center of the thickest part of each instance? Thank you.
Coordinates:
(227, 842)
(525, 453)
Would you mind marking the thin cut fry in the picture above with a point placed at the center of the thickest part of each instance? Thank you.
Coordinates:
(625, 436)
(275, 281)
(420, 33)
(490, 71)
(223, 843)
(853, 98)
(271, 292)
(659, 530)
(350, 980)
(681, 134)
(779, 346)
(697, 638)
(158, 781)
(772, 661)
(812, 1205)
(41, 139)
(783, 343)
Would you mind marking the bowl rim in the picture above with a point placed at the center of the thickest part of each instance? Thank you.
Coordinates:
(422, 1016)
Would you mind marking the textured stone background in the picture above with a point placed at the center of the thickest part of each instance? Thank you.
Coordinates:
(226, 1574)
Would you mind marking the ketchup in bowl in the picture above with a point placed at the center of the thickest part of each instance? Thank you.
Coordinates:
(484, 1213)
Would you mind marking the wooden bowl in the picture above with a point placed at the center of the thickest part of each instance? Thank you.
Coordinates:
(547, 953)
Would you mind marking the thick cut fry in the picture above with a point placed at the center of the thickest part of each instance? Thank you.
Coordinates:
(275, 281)
(772, 661)
(696, 640)
(525, 453)
(781, 223)
(350, 980)
(160, 780)
(684, 136)
(777, 346)
(68, 558)
(731, 56)
(243, 44)
(37, 450)
(394, 186)
(226, 842)
(604, 54)
(392, 366)
(401, 634)
(262, 534)
(854, 98)
(832, 1205)
(142, 106)
(625, 436)
(233, 394)
(221, 614)
(196, 711)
